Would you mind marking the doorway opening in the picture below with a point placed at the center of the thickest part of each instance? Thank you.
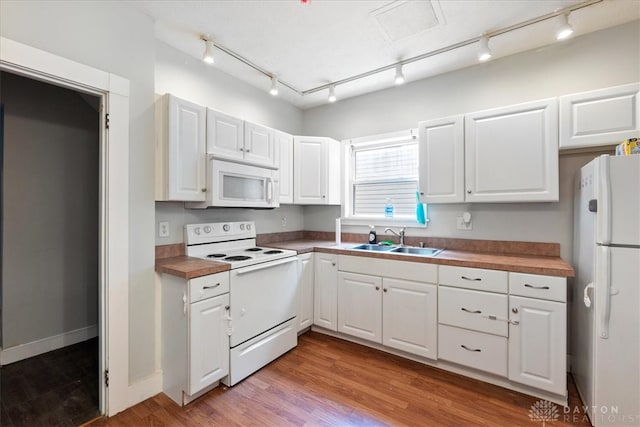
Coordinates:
(50, 270)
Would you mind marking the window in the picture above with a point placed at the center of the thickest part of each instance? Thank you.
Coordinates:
(383, 168)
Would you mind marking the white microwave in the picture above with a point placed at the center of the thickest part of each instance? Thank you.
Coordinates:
(238, 185)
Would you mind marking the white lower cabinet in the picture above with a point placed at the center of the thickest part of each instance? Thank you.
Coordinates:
(410, 317)
(392, 311)
(537, 343)
(305, 291)
(325, 291)
(360, 306)
(477, 350)
(194, 338)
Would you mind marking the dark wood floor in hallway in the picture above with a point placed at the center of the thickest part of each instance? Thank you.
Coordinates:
(330, 382)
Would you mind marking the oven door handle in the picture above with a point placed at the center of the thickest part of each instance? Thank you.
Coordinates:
(265, 265)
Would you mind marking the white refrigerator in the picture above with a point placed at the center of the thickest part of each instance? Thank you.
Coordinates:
(605, 328)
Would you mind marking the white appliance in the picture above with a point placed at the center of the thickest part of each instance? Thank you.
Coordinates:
(232, 184)
(605, 325)
(262, 291)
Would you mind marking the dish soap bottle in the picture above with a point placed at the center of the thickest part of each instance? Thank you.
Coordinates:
(388, 209)
(373, 238)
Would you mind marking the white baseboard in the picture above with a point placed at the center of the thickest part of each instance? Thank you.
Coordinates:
(34, 348)
(145, 388)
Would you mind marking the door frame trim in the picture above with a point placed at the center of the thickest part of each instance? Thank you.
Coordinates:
(113, 320)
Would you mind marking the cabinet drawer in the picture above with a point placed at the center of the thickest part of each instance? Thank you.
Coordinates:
(474, 278)
(474, 349)
(536, 286)
(407, 270)
(468, 309)
(208, 286)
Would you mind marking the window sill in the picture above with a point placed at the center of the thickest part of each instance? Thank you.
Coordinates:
(396, 222)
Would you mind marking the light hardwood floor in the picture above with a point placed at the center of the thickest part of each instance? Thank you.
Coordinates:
(331, 382)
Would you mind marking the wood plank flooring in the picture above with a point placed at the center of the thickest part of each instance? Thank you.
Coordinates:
(331, 382)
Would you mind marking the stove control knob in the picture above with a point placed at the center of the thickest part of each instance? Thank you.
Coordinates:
(248, 226)
(197, 231)
(241, 226)
(226, 227)
(207, 229)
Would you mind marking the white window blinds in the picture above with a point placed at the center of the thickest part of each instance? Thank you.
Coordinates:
(383, 171)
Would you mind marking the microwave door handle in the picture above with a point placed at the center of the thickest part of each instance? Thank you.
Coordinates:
(269, 190)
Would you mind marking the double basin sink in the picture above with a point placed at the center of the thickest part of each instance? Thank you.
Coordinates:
(409, 250)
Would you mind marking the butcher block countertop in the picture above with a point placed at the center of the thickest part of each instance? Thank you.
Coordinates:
(520, 257)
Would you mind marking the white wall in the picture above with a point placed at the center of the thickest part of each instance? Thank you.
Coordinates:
(605, 58)
(192, 79)
(113, 37)
(50, 211)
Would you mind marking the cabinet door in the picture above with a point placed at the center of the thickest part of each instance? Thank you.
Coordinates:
(441, 151)
(225, 136)
(360, 306)
(511, 153)
(600, 117)
(208, 343)
(305, 291)
(410, 321)
(325, 291)
(310, 170)
(259, 145)
(186, 151)
(284, 149)
(537, 344)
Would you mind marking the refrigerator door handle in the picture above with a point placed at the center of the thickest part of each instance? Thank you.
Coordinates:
(604, 213)
(587, 300)
(604, 283)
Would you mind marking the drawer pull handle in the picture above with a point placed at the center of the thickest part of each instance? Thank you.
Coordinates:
(470, 349)
(526, 285)
(477, 279)
(471, 311)
(211, 287)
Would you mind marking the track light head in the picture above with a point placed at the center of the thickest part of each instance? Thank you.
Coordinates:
(484, 53)
(564, 29)
(332, 94)
(207, 55)
(274, 86)
(399, 79)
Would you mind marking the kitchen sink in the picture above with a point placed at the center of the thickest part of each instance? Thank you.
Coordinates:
(376, 248)
(416, 251)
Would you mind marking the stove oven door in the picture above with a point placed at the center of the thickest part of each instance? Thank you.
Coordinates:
(262, 297)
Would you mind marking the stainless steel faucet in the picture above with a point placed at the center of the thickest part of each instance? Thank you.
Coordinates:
(400, 234)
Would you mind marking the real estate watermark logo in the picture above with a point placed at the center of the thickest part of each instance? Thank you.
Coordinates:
(544, 411)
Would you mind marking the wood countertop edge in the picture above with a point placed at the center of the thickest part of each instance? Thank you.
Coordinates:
(188, 267)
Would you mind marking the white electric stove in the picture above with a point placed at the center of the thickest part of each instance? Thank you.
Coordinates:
(262, 292)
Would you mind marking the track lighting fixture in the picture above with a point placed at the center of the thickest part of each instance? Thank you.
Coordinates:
(274, 86)
(484, 53)
(207, 56)
(399, 79)
(564, 29)
(332, 94)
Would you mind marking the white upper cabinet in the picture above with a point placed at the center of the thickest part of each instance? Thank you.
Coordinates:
(511, 153)
(284, 157)
(180, 150)
(230, 138)
(259, 145)
(600, 117)
(225, 136)
(441, 149)
(316, 171)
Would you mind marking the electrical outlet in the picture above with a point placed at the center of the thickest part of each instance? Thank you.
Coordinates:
(283, 221)
(163, 229)
(461, 225)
